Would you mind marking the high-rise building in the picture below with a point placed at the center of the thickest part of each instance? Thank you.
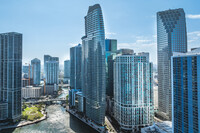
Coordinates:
(52, 72)
(171, 37)
(75, 67)
(133, 91)
(51, 69)
(48, 58)
(35, 71)
(186, 92)
(67, 69)
(25, 70)
(111, 49)
(10, 76)
(93, 65)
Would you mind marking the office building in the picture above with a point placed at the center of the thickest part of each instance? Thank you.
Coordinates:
(35, 71)
(10, 75)
(186, 92)
(93, 65)
(171, 37)
(51, 69)
(111, 49)
(75, 67)
(133, 91)
(67, 69)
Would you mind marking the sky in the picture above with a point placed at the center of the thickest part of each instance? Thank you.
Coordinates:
(53, 26)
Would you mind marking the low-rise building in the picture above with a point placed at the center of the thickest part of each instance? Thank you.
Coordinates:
(50, 89)
(31, 92)
(161, 127)
(79, 101)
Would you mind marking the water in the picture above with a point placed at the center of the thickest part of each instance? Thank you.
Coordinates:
(59, 121)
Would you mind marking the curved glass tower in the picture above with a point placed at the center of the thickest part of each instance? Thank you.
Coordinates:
(93, 65)
(171, 37)
(35, 63)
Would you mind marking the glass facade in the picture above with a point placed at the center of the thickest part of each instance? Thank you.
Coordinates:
(66, 68)
(133, 91)
(11, 73)
(51, 69)
(186, 93)
(75, 67)
(48, 58)
(93, 65)
(111, 49)
(35, 71)
(171, 37)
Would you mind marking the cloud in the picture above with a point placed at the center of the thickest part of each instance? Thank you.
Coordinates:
(143, 41)
(193, 36)
(192, 16)
(110, 33)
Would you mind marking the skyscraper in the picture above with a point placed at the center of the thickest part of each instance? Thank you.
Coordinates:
(186, 92)
(133, 91)
(35, 73)
(66, 68)
(51, 69)
(111, 49)
(171, 37)
(10, 76)
(48, 58)
(75, 67)
(93, 65)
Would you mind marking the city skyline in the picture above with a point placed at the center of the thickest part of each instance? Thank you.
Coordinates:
(43, 29)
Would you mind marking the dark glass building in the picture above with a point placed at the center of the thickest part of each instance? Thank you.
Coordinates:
(67, 69)
(171, 37)
(93, 65)
(186, 92)
(75, 67)
(35, 73)
(111, 49)
(10, 76)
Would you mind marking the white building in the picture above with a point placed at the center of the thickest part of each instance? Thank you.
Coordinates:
(133, 91)
(160, 127)
(31, 92)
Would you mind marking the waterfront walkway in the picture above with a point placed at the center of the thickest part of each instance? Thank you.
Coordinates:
(111, 129)
(98, 128)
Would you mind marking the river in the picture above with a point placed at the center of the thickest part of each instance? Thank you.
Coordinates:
(59, 121)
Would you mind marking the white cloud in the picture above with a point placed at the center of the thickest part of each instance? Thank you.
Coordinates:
(192, 16)
(110, 33)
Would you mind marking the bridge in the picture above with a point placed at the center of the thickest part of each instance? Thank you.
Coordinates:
(48, 101)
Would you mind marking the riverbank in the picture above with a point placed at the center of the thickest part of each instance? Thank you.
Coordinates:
(26, 122)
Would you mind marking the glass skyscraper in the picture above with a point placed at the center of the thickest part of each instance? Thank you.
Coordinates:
(133, 91)
(93, 65)
(51, 69)
(186, 92)
(35, 73)
(111, 49)
(48, 58)
(171, 37)
(66, 68)
(75, 67)
(10, 76)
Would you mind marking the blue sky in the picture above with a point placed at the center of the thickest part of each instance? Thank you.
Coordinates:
(53, 26)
